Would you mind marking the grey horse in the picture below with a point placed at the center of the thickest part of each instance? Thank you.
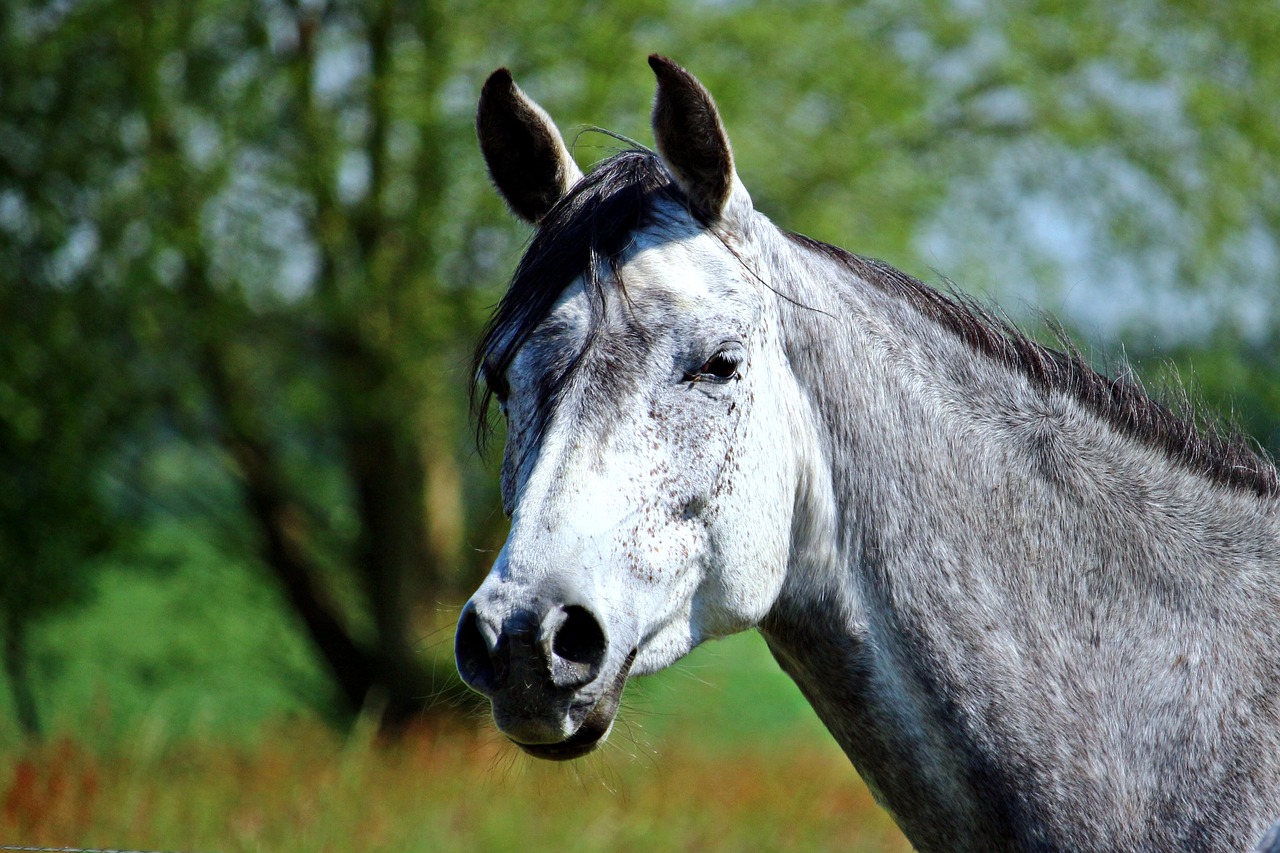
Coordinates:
(1036, 608)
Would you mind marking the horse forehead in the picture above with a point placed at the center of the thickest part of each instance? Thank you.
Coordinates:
(687, 269)
(665, 282)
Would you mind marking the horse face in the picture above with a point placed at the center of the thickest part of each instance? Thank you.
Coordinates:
(650, 501)
(646, 473)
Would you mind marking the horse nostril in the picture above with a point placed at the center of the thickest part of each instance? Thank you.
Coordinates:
(474, 654)
(578, 647)
(580, 638)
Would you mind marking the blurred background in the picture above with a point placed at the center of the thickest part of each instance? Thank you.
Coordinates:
(245, 251)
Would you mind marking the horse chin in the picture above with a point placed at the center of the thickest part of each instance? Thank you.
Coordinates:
(595, 726)
(581, 742)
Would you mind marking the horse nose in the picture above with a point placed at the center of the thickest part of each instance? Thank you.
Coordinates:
(566, 646)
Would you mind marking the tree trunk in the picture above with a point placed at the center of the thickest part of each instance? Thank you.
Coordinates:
(15, 669)
(378, 672)
(388, 478)
(383, 676)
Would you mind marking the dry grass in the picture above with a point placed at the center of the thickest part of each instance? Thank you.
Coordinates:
(300, 788)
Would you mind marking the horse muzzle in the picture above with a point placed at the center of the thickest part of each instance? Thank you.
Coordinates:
(546, 670)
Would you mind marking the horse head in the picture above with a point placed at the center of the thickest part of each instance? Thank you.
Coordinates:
(637, 361)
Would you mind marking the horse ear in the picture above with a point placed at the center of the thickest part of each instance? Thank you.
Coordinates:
(692, 140)
(526, 156)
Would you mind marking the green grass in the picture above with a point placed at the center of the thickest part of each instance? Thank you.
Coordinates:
(724, 693)
(182, 638)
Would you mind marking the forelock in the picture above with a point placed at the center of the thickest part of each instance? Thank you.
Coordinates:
(584, 236)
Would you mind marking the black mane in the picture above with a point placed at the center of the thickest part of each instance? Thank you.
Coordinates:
(588, 230)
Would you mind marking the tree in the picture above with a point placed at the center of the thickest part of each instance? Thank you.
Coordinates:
(165, 149)
(68, 388)
(63, 406)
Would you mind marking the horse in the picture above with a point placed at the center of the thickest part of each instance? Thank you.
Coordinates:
(1035, 606)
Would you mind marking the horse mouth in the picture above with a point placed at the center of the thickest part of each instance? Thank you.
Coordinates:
(595, 725)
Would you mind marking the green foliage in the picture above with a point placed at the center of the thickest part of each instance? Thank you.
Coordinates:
(59, 414)
(66, 397)
(179, 641)
(1114, 161)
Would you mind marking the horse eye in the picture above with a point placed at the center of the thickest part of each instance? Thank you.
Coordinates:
(720, 367)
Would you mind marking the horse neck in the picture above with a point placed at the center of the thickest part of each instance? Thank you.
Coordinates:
(973, 554)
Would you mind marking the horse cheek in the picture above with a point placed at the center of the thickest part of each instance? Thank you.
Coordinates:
(750, 532)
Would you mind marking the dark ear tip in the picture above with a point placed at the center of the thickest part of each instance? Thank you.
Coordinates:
(665, 68)
(500, 80)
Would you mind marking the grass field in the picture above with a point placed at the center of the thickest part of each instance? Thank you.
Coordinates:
(178, 704)
(302, 790)
(719, 754)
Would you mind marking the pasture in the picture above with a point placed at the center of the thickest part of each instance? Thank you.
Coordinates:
(719, 754)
